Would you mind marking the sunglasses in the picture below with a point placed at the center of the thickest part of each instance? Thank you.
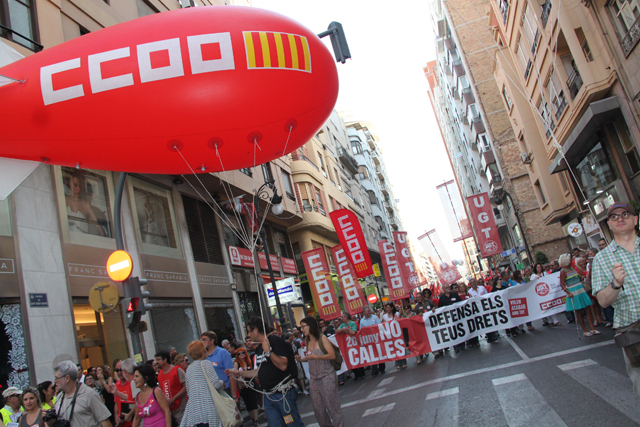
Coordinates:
(118, 370)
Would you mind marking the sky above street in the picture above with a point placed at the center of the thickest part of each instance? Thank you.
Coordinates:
(384, 84)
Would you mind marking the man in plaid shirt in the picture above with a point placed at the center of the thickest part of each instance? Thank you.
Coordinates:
(616, 274)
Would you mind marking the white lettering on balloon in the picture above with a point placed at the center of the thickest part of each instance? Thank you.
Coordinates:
(175, 68)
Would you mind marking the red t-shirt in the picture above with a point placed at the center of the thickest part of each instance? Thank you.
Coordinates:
(170, 384)
(123, 405)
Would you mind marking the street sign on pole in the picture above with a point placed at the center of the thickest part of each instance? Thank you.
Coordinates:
(372, 298)
(119, 266)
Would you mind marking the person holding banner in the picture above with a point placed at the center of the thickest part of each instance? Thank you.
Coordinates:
(370, 320)
(577, 298)
(323, 382)
(538, 272)
(446, 299)
(349, 327)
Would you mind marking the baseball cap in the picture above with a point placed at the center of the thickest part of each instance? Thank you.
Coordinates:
(11, 391)
(621, 205)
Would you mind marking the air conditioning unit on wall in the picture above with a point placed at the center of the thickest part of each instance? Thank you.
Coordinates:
(526, 158)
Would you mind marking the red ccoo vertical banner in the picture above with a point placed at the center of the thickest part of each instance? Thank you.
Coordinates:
(352, 293)
(324, 294)
(397, 289)
(352, 240)
(407, 266)
(485, 224)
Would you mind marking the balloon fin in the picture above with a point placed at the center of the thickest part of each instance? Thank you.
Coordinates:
(8, 54)
(12, 173)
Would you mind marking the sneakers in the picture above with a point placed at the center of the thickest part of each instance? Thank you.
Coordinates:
(306, 393)
(609, 324)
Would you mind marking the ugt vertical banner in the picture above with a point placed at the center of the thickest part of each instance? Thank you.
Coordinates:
(351, 291)
(485, 225)
(407, 266)
(397, 288)
(352, 241)
(324, 294)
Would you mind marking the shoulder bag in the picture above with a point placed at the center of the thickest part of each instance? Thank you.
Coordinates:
(337, 362)
(225, 405)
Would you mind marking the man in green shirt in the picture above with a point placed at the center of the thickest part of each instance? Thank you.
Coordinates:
(616, 274)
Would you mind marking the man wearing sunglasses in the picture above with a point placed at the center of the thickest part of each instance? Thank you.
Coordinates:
(616, 276)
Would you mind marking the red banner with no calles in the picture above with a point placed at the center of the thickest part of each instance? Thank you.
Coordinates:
(351, 292)
(395, 282)
(384, 342)
(318, 274)
(407, 266)
(352, 240)
(485, 225)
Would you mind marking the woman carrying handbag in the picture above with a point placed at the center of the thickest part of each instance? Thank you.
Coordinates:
(208, 405)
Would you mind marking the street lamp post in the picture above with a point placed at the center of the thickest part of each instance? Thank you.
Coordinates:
(277, 209)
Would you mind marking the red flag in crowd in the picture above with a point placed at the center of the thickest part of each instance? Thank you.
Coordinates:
(324, 294)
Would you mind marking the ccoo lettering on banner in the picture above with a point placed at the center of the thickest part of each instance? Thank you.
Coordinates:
(405, 259)
(395, 282)
(485, 225)
(324, 294)
(351, 291)
(352, 241)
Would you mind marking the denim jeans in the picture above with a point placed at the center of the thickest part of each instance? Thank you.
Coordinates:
(608, 313)
(276, 409)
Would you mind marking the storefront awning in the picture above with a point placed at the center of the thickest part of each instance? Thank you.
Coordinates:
(584, 136)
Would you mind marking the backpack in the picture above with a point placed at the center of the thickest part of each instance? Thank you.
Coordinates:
(337, 362)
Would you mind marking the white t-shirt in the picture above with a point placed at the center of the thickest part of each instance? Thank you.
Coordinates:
(386, 317)
(477, 293)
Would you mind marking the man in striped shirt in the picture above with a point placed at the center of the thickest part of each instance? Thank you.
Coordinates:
(616, 274)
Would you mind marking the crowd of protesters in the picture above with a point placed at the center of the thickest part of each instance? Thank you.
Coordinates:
(263, 374)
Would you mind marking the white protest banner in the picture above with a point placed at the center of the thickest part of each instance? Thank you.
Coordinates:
(457, 323)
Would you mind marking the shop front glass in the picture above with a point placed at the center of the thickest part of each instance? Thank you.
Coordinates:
(101, 337)
(595, 172)
(174, 325)
(221, 319)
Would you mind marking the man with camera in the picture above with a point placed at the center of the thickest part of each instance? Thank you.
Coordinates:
(77, 405)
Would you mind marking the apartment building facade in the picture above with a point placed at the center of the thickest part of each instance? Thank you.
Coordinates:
(568, 77)
(470, 104)
(337, 170)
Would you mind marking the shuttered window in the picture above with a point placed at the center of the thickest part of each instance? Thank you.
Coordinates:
(203, 232)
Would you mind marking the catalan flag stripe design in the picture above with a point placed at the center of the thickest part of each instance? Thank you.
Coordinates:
(277, 50)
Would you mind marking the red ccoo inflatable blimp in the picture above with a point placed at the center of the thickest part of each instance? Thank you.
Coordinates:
(205, 83)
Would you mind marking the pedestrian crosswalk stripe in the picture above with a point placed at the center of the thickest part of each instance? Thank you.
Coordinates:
(614, 388)
(510, 379)
(385, 381)
(375, 393)
(523, 405)
(385, 408)
(576, 365)
(443, 393)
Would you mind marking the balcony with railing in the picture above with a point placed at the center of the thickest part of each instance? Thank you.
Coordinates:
(546, 11)
(574, 82)
(347, 160)
(630, 40)
(487, 158)
(495, 186)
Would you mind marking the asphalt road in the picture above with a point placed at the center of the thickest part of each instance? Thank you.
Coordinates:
(546, 377)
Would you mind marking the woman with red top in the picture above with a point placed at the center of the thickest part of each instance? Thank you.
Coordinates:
(152, 408)
(243, 362)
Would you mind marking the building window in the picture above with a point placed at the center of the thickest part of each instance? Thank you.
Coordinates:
(5, 218)
(543, 200)
(523, 57)
(321, 162)
(630, 149)
(307, 203)
(626, 14)
(86, 208)
(545, 115)
(266, 172)
(319, 200)
(483, 143)
(154, 219)
(584, 45)
(145, 8)
(504, 10)
(595, 172)
(507, 99)
(363, 172)
(518, 234)
(18, 16)
(556, 94)
(282, 240)
(356, 147)
(563, 182)
(203, 231)
(286, 182)
(545, 12)
(574, 82)
(530, 29)
(246, 171)
(230, 228)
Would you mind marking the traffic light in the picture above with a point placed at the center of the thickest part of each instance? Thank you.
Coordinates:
(133, 305)
(138, 305)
